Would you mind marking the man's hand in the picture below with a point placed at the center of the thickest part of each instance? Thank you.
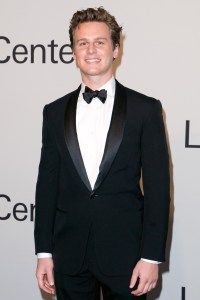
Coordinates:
(44, 274)
(147, 275)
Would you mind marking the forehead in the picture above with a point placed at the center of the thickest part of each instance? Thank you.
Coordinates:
(92, 30)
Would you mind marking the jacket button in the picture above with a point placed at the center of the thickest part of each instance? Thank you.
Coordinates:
(94, 196)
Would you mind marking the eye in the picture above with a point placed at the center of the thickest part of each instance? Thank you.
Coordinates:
(100, 43)
(83, 43)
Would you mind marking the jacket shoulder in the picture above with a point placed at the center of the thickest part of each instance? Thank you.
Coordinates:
(140, 97)
(59, 103)
(142, 102)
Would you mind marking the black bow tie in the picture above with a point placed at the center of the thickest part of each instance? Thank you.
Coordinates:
(89, 94)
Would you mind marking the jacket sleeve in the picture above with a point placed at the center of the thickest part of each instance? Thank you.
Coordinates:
(156, 183)
(46, 188)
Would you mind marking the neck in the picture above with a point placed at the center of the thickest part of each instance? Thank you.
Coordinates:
(95, 82)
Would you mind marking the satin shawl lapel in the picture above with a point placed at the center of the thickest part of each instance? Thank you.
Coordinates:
(115, 133)
(113, 141)
(72, 139)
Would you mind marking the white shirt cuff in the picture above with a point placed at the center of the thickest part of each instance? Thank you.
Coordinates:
(44, 255)
(49, 255)
(151, 261)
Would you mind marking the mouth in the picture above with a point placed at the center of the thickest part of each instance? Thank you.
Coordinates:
(92, 60)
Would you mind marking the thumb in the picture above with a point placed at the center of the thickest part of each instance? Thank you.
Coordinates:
(50, 277)
(134, 278)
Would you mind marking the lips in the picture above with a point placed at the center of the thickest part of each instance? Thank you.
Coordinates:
(92, 60)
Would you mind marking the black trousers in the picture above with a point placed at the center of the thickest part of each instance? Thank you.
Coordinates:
(87, 283)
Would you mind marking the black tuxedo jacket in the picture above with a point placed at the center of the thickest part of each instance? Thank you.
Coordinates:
(127, 224)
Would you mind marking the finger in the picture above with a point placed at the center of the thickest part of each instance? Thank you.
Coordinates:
(50, 277)
(146, 288)
(154, 284)
(41, 283)
(40, 279)
(134, 279)
(140, 287)
(150, 287)
(49, 282)
(51, 289)
(46, 283)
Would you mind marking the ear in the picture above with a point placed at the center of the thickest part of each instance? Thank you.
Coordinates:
(74, 55)
(116, 51)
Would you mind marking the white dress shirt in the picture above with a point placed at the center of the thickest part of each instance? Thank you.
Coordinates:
(92, 124)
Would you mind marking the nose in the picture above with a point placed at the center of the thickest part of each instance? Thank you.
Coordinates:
(91, 48)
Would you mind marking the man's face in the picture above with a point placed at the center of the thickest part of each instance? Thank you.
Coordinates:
(93, 49)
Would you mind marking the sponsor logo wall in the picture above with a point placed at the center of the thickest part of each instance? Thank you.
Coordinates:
(160, 58)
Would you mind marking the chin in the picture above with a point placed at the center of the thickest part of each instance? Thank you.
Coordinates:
(92, 72)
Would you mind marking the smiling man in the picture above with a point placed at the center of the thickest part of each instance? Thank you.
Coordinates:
(94, 227)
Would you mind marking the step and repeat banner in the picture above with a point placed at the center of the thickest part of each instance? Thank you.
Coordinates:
(160, 58)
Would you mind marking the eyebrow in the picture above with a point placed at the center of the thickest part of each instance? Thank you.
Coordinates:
(98, 38)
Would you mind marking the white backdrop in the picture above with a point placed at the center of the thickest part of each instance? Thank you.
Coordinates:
(160, 58)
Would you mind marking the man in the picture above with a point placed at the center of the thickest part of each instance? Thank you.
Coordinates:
(93, 225)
